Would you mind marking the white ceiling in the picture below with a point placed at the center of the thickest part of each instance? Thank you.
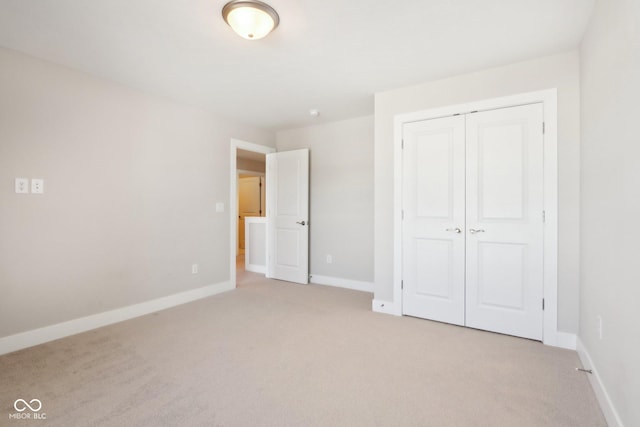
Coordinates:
(331, 55)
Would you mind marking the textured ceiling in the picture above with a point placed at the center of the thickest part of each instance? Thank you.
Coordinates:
(329, 55)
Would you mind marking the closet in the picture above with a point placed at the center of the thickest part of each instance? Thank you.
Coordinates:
(473, 220)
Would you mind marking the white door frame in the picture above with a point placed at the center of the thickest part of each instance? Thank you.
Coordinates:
(237, 144)
(548, 98)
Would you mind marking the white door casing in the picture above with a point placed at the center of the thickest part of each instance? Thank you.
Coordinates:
(504, 214)
(288, 215)
(433, 228)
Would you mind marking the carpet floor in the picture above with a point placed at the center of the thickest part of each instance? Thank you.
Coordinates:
(272, 353)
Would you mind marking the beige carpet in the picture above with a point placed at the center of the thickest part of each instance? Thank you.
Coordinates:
(277, 354)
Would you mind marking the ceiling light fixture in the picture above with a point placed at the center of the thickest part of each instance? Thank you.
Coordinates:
(251, 19)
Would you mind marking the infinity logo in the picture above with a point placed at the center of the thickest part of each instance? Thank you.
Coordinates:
(26, 405)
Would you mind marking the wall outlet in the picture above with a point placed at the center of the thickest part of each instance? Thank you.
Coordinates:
(194, 269)
(37, 186)
(329, 259)
(599, 326)
(220, 207)
(22, 185)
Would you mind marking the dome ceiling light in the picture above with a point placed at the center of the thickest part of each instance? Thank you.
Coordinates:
(251, 19)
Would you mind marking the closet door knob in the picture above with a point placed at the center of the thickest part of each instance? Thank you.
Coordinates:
(474, 231)
(455, 230)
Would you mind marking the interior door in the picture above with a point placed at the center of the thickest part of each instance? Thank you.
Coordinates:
(504, 274)
(249, 203)
(288, 215)
(434, 222)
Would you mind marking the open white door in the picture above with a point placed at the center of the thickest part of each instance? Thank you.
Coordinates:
(288, 216)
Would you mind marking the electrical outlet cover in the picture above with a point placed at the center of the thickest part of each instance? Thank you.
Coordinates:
(22, 185)
(37, 186)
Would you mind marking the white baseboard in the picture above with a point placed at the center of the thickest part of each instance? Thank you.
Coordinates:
(609, 411)
(561, 339)
(356, 285)
(566, 340)
(60, 330)
(385, 307)
(256, 268)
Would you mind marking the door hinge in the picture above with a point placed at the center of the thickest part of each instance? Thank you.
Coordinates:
(402, 214)
(542, 304)
(543, 128)
(401, 284)
(544, 216)
(402, 145)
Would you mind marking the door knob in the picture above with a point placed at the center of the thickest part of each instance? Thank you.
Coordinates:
(474, 231)
(455, 230)
(301, 222)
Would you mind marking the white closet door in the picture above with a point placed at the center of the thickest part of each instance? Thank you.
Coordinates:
(433, 226)
(504, 274)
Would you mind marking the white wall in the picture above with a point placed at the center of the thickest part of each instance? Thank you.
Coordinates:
(559, 71)
(610, 210)
(131, 183)
(341, 195)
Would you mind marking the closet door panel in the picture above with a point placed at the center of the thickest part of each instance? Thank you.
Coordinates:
(504, 206)
(433, 203)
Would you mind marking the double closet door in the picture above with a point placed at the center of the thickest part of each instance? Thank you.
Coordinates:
(473, 220)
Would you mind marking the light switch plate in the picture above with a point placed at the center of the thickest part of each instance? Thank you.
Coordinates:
(22, 185)
(219, 207)
(37, 186)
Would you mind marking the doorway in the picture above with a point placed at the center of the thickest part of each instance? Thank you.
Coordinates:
(245, 158)
(251, 201)
(287, 204)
